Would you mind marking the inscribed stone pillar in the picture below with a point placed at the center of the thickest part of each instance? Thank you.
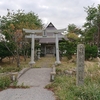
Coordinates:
(80, 64)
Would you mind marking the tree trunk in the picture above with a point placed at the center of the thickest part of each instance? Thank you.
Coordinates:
(0, 59)
(98, 39)
(24, 56)
(17, 58)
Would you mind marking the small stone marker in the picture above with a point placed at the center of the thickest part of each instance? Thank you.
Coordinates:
(80, 64)
(53, 73)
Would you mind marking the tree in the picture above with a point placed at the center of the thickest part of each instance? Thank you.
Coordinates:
(4, 52)
(12, 25)
(72, 36)
(92, 25)
(90, 51)
(72, 28)
(73, 32)
(68, 48)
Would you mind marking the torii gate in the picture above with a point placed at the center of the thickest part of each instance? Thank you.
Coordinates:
(33, 36)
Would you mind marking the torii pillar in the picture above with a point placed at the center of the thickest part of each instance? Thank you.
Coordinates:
(57, 50)
(32, 50)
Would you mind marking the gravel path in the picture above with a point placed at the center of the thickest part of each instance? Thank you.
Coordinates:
(37, 78)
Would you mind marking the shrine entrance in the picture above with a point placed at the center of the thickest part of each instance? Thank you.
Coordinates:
(49, 49)
(52, 39)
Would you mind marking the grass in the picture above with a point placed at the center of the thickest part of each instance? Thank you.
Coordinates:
(64, 86)
(6, 82)
(8, 66)
(45, 62)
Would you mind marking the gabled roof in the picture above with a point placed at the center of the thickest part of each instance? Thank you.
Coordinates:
(50, 26)
(49, 40)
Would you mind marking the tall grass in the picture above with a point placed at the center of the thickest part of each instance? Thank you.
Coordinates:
(64, 86)
(5, 82)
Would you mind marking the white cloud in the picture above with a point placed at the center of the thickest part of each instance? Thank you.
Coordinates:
(43, 6)
(59, 12)
(45, 20)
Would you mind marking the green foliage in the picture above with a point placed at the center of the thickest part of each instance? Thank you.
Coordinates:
(72, 28)
(19, 20)
(89, 34)
(5, 82)
(15, 83)
(92, 25)
(65, 89)
(72, 36)
(12, 25)
(68, 48)
(4, 52)
(10, 69)
(90, 51)
(88, 92)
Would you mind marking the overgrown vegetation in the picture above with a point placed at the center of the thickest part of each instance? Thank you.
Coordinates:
(64, 86)
(7, 66)
(5, 82)
(10, 69)
(12, 28)
(68, 48)
(90, 51)
(66, 89)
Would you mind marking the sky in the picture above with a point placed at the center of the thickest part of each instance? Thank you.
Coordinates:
(60, 12)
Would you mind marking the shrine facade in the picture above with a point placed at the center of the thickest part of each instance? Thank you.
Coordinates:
(48, 44)
(48, 38)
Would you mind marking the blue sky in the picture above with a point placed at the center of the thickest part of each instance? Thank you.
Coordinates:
(60, 12)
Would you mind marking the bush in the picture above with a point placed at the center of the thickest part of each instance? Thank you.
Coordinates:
(90, 51)
(67, 48)
(5, 82)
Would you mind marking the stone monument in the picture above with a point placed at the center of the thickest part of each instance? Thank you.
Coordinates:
(80, 65)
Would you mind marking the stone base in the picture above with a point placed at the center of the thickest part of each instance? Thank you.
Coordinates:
(31, 63)
(57, 62)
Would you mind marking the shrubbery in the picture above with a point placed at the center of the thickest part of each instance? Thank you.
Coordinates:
(5, 82)
(68, 49)
(90, 51)
(65, 88)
